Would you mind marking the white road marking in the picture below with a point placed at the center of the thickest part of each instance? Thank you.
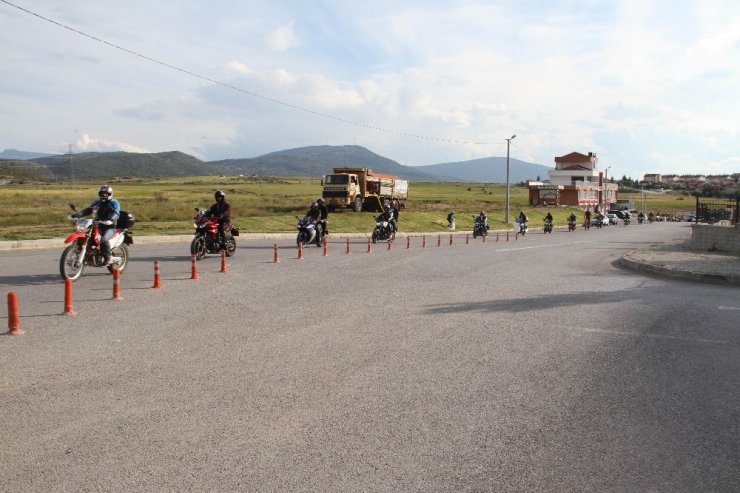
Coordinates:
(729, 308)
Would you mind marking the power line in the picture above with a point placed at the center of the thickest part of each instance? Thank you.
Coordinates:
(244, 91)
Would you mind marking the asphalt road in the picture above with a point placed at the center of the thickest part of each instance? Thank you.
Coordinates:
(532, 365)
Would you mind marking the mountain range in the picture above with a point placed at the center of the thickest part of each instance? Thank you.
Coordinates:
(302, 161)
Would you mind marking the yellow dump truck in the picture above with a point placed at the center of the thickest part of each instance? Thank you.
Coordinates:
(362, 189)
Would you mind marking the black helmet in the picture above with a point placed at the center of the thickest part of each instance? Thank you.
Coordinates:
(105, 192)
(482, 213)
(314, 205)
(320, 200)
(219, 194)
(387, 207)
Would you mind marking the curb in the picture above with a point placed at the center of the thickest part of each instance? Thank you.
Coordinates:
(647, 268)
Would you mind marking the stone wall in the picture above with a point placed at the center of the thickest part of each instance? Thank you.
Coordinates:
(715, 237)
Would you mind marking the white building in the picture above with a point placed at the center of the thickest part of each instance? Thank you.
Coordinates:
(575, 181)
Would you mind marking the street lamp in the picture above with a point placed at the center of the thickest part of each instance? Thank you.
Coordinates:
(508, 142)
(606, 188)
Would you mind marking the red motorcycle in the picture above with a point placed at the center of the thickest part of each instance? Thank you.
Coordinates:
(207, 238)
(85, 248)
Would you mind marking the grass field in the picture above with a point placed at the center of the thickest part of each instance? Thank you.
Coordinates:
(166, 206)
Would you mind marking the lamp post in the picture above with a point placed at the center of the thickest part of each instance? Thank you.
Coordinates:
(508, 142)
(606, 188)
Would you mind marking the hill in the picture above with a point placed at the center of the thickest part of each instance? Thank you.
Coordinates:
(106, 165)
(319, 160)
(488, 170)
(18, 170)
(302, 161)
(22, 155)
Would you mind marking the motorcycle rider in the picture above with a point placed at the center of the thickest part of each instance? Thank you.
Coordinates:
(221, 212)
(451, 220)
(572, 218)
(548, 217)
(587, 215)
(386, 215)
(483, 219)
(107, 210)
(522, 220)
(314, 214)
(394, 215)
(324, 216)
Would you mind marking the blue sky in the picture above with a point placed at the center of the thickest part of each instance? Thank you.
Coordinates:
(650, 86)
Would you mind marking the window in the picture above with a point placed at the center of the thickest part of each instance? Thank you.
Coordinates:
(336, 179)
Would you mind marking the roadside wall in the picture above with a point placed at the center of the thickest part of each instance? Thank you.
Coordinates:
(715, 237)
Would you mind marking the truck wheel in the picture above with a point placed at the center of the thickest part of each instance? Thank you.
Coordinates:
(358, 204)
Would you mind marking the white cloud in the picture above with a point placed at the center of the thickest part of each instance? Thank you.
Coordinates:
(282, 38)
(85, 143)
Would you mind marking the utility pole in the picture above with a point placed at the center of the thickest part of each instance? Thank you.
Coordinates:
(508, 142)
(71, 164)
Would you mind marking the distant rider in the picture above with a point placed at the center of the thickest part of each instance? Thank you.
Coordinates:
(572, 218)
(324, 216)
(221, 212)
(482, 219)
(451, 220)
(394, 215)
(386, 215)
(587, 215)
(314, 214)
(522, 220)
(548, 218)
(106, 209)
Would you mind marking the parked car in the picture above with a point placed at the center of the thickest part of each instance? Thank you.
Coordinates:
(621, 214)
(597, 220)
(613, 219)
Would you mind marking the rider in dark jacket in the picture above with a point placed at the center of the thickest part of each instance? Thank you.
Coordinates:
(323, 217)
(107, 210)
(386, 215)
(221, 212)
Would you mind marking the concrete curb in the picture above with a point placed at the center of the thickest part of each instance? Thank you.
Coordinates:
(644, 267)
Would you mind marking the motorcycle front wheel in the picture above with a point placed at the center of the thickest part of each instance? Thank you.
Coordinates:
(230, 246)
(198, 247)
(375, 236)
(121, 251)
(70, 264)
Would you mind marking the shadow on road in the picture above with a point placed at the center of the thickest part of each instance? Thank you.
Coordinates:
(540, 302)
(31, 280)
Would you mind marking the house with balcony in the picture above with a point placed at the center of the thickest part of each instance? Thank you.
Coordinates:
(575, 181)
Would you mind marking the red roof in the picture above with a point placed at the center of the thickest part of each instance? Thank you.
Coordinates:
(573, 157)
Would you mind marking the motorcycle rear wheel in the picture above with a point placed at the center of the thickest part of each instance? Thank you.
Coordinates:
(70, 263)
(198, 247)
(120, 251)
